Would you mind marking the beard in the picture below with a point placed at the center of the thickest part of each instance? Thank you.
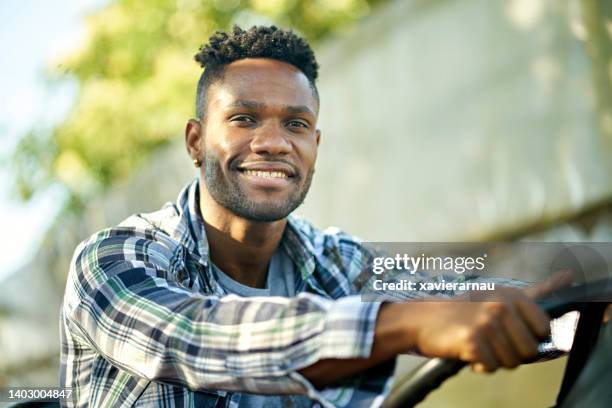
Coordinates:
(229, 193)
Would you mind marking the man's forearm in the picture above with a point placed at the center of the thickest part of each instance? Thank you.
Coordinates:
(500, 329)
(393, 336)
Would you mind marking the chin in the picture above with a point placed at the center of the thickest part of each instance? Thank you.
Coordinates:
(264, 216)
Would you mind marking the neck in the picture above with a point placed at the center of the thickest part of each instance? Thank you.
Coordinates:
(241, 248)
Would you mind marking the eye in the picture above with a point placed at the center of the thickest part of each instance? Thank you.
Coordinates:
(297, 124)
(242, 119)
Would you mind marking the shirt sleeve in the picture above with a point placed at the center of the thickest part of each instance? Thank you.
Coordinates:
(358, 258)
(123, 302)
(359, 270)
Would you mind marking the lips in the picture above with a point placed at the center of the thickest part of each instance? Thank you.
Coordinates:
(267, 174)
(267, 169)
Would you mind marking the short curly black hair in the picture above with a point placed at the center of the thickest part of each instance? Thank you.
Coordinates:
(257, 42)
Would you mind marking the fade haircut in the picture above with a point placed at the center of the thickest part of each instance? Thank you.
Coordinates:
(258, 42)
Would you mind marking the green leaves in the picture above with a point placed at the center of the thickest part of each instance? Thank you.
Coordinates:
(137, 81)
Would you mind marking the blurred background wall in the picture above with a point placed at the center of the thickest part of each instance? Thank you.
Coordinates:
(442, 120)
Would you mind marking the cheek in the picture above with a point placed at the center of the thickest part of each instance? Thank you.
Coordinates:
(307, 151)
(224, 143)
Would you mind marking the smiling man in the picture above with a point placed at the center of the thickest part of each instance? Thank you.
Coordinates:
(224, 299)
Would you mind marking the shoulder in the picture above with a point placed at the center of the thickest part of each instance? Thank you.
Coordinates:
(321, 239)
(167, 219)
(337, 252)
(140, 240)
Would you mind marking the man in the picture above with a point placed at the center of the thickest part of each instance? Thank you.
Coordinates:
(225, 299)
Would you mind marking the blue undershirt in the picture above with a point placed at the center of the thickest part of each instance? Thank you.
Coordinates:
(280, 282)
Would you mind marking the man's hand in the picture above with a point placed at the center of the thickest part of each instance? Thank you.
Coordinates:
(492, 330)
(500, 329)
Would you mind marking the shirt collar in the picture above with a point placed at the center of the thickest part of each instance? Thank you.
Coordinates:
(191, 233)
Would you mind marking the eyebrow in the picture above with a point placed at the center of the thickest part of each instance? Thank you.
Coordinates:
(243, 103)
(299, 109)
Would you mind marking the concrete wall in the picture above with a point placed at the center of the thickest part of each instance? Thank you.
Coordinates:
(457, 119)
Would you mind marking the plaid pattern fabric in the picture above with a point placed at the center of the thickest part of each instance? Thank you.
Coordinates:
(144, 322)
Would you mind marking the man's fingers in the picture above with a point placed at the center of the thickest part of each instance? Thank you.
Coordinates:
(537, 320)
(480, 356)
(556, 281)
(486, 360)
(523, 340)
(502, 346)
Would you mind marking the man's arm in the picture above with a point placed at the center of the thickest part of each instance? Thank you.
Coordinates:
(123, 303)
(499, 330)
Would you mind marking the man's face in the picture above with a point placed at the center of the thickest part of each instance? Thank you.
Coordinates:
(260, 139)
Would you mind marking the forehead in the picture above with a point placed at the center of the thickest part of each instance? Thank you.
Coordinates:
(268, 81)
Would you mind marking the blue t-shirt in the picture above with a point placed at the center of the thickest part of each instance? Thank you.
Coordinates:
(280, 282)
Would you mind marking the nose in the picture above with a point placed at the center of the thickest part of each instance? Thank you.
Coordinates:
(270, 139)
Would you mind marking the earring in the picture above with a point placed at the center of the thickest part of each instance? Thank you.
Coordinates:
(197, 162)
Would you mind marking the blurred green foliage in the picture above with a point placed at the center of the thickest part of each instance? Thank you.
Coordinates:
(137, 78)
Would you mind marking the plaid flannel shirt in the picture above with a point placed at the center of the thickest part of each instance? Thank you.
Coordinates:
(144, 323)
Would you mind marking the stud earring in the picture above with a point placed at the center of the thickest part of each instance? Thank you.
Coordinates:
(197, 163)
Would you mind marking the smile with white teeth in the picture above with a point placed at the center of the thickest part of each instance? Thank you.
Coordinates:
(266, 174)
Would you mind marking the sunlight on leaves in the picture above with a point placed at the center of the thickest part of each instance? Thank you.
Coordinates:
(136, 75)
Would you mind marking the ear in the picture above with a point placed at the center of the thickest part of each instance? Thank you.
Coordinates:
(318, 136)
(193, 139)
